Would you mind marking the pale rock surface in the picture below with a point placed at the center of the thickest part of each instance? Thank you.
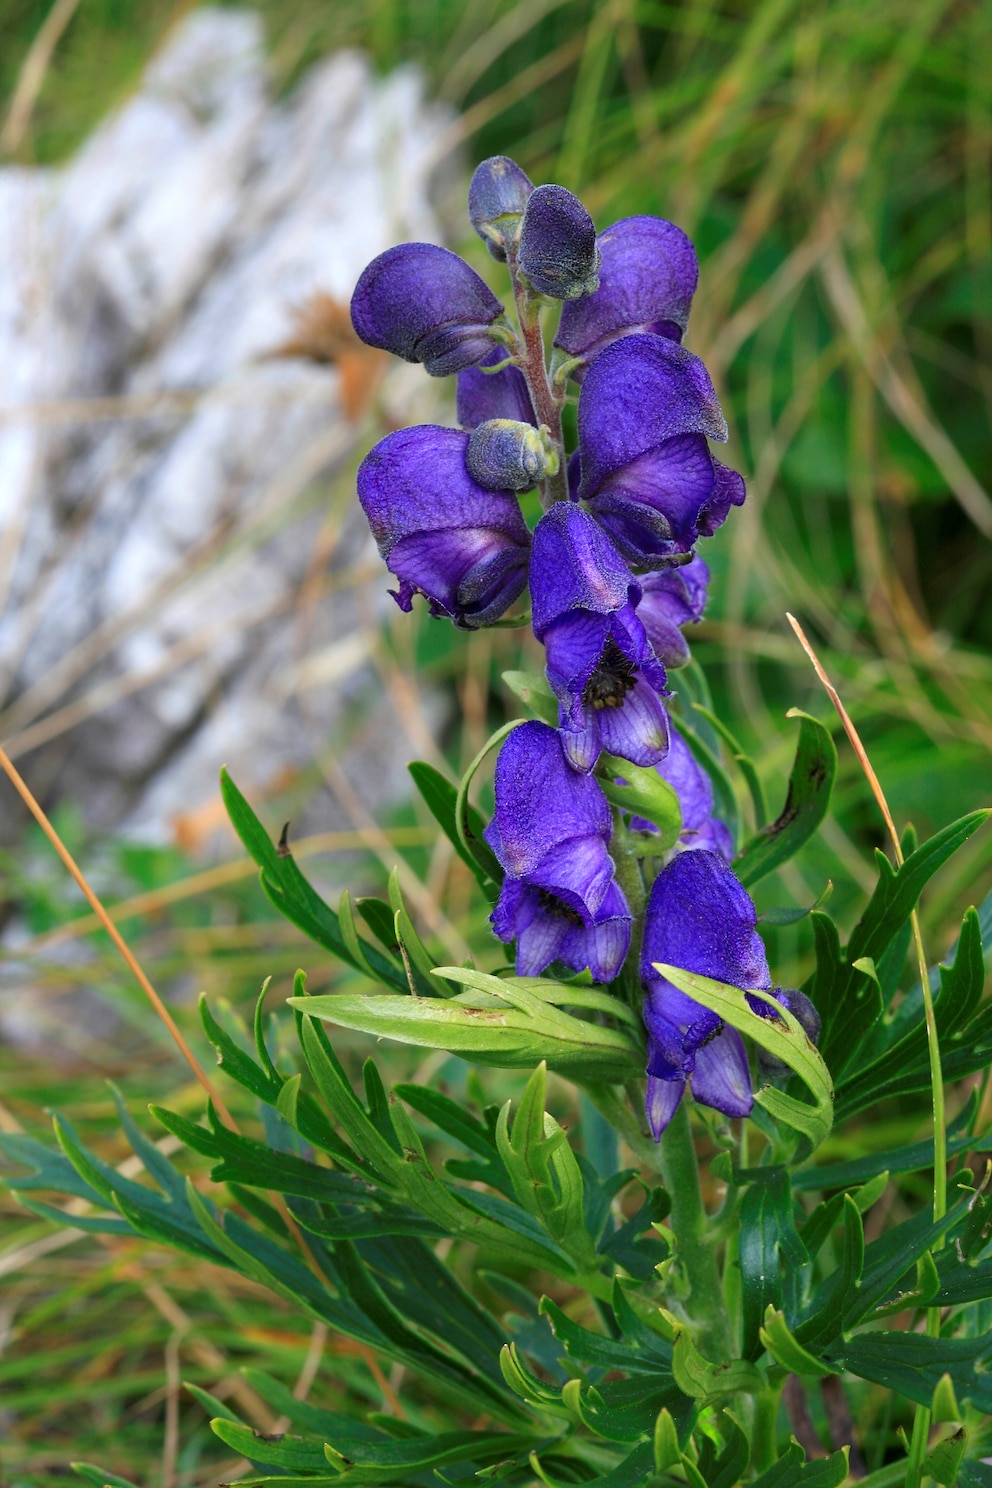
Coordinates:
(150, 564)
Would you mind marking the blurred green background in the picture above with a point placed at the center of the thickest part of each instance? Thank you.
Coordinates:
(833, 163)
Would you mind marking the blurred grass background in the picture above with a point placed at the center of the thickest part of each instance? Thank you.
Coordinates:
(833, 162)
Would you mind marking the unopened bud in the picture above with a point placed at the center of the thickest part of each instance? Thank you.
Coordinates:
(558, 255)
(497, 197)
(504, 455)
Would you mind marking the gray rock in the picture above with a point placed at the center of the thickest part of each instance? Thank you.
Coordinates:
(150, 562)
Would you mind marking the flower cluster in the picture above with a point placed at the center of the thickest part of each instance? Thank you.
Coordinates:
(610, 565)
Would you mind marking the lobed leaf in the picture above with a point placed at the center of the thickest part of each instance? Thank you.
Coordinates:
(292, 894)
(782, 1036)
(808, 796)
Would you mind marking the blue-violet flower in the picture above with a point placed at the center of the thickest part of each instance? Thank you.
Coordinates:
(481, 396)
(550, 831)
(692, 785)
(608, 681)
(646, 409)
(464, 548)
(670, 598)
(426, 305)
(700, 918)
(647, 277)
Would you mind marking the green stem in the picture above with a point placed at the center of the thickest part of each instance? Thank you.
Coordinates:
(764, 1430)
(630, 879)
(921, 1418)
(696, 1253)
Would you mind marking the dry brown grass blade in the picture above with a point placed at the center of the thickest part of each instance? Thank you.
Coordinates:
(32, 74)
(217, 877)
(179, 1038)
(906, 401)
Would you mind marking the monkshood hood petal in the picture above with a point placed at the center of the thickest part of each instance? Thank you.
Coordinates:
(659, 505)
(542, 804)
(466, 549)
(639, 392)
(576, 567)
(670, 598)
(426, 305)
(701, 918)
(481, 396)
(647, 277)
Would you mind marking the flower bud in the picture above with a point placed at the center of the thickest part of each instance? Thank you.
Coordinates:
(426, 305)
(497, 197)
(504, 455)
(558, 255)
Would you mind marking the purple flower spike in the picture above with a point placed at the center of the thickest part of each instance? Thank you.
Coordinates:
(426, 305)
(497, 197)
(692, 785)
(464, 548)
(608, 681)
(558, 254)
(646, 409)
(698, 917)
(491, 395)
(550, 831)
(670, 598)
(647, 277)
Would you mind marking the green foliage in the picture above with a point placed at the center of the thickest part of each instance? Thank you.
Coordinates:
(806, 802)
(512, 1022)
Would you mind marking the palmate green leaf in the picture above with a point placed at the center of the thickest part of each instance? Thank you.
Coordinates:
(440, 796)
(50, 1169)
(868, 1277)
(294, 896)
(793, 1471)
(914, 1158)
(965, 1040)
(500, 1021)
(636, 1470)
(767, 1237)
(705, 1382)
(725, 1470)
(168, 1220)
(100, 1477)
(326, 1424)
(839, 990)
(280, 1450)
(544, 1172)
(786, 1349)
(417, 959)
(913, 1364)
(806, 802)
(782, 1036)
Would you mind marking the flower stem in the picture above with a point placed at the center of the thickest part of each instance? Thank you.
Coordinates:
(680, 1170)
(546, 404)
